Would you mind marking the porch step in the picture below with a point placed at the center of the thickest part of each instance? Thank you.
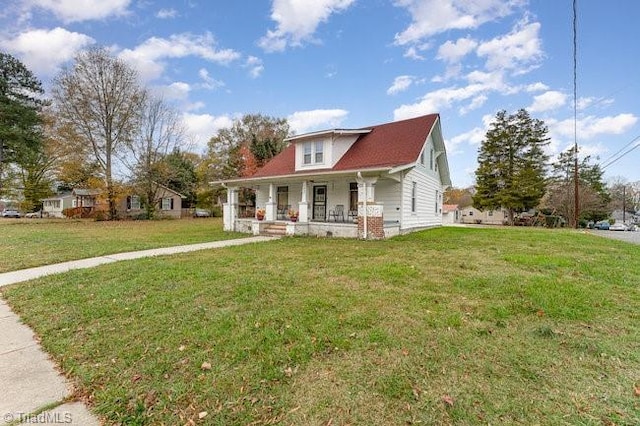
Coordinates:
(275, 229)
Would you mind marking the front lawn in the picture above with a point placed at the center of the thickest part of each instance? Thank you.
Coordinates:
(30, 242)
(447, 326)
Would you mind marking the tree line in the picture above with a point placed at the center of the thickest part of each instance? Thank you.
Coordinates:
(514, 173)
(102, 129)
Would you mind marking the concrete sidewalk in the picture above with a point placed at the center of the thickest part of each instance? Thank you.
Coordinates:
(28, 378)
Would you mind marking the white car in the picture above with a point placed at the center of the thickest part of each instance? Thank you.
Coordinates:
(617, 227)
(10, 213)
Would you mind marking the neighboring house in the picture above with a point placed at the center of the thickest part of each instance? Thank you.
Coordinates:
(450, 213)
(372, 182)
(169, 203)
(627, 217)
(55, 205)
(487, 217)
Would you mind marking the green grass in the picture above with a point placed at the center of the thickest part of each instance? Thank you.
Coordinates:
(447, 326)
(29, 243)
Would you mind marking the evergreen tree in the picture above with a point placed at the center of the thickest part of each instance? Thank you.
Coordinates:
(20, 122)
(512, 164)
(593, 194)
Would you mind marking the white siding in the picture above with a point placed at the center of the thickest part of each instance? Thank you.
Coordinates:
(427, 186)
(389, 193)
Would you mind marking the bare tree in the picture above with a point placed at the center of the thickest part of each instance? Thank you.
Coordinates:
(161, 131)
(100, 98)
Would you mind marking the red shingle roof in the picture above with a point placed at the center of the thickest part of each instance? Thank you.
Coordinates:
(387, 145)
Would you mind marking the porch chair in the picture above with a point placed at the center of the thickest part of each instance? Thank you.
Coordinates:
(283, 211)
(337, 212)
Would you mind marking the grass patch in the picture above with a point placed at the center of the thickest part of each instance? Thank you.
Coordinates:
(446, 326)
(28, 243)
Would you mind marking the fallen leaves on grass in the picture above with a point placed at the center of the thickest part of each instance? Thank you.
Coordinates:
(206, 366)
(448, 399)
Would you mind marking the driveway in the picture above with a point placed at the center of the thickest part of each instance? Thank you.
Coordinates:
(628, 236)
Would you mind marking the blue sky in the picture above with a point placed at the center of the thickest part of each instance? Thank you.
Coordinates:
(352, 63)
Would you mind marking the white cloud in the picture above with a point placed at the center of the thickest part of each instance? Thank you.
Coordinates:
(178, 90)
(166, 14)
(536, 87)
(549, 100)
(44, 51)
(430, 17)
(437, 100)
(148, 57)
(473, 137)
(297, 21)
(453, 52)
(588, 102)
(83, 10)
(476, 103)
(255, 66)
(318, 119)
(208, 81)
(591, 127)
(520, 48)
(400, 84)
(201, 127)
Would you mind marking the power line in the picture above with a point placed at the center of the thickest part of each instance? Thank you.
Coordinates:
(619, 151)
(608, 163)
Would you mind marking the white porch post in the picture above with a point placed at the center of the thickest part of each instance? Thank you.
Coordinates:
(303, 205)
(370, 213)
(271, 207)
(230, 209)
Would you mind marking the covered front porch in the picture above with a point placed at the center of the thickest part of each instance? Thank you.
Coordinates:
(337, 206)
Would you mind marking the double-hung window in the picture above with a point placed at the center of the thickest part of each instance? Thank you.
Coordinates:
(167, 203)
(414, 196)
(313, 153)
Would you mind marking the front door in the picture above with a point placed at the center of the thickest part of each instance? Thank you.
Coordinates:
(320, 203)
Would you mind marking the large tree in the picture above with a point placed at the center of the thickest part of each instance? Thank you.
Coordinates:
(100, 98)
(256, 134)
(245, 147)
(592, 193)
(20, 122)
(512, 164)
(161, 131)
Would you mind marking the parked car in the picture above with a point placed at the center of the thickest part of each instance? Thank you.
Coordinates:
(201, 213)
(10, 213)
(33, 215)
(618, 227)
(603, 225)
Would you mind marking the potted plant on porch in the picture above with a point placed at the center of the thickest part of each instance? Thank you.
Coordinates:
(260, 214)
(293, 215)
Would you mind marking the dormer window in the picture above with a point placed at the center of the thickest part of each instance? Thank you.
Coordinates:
(313, 153)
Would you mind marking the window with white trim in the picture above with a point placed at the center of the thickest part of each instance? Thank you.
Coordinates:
(313, 153)
(431, 158)
(167, 203)
(437, 199)
(414, 196)
(319, 152)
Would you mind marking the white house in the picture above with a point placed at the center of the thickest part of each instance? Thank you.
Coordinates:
(450, 214)
(487, 217)
(372, 182)
(54, 206)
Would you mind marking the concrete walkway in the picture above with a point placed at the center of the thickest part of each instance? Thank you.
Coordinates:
(29, 381)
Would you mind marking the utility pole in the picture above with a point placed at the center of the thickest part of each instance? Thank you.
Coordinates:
(624, 204)
(576, 186)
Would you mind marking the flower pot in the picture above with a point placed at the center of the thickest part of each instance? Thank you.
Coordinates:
(260, 217)
(293, 219)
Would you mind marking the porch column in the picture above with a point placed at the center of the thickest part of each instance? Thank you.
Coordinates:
(230, 209)
(271, 207)
(303, 205)
(370, 213)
